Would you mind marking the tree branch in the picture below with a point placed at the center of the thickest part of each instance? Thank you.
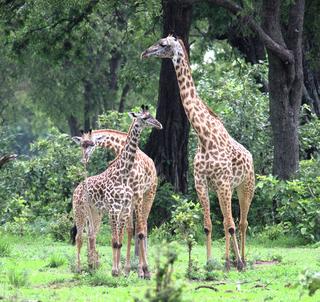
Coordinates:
(282, 52)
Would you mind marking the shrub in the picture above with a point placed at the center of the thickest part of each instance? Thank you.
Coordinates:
(292, 206)
(59, 227)
(166, 289)
(5, 247)
(185, 219)
(56, 261)
(18, 278)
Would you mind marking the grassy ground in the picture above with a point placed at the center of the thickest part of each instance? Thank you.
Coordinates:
(39, 269)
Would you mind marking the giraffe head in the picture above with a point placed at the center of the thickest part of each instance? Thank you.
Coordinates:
(87, 143)
(169, 47)
(145, 119)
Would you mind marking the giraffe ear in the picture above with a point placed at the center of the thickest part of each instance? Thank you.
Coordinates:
(132, 115)
(76, 139)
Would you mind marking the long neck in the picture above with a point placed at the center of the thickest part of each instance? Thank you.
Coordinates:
(127, 156)
(114, 140)
(200, 116)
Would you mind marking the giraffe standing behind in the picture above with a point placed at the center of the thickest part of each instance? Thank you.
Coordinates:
(110, 192)
(220, 163)
(143, 180)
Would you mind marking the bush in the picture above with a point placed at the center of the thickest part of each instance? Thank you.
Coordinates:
(5, 247)
(60, 226)
(42, 185)
(292, 206)
(18, 278)
(56, 261)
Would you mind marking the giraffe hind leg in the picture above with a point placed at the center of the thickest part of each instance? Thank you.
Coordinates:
(80, 223)
(245, 194)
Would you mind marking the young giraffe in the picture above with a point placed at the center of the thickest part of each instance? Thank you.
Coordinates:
(111, 192)
(220, 163)
(143, 180)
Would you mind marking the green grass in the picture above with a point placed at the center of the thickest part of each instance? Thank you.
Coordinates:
(5, 247)
(37, 281)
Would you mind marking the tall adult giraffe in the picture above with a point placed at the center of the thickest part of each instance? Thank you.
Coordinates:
(111, 192)
(143, 181)
(220, 163)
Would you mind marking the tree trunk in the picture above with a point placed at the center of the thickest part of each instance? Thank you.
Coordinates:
(284, 117)
(87, 104)
(73, 125)
(123, 97)
(169, 147)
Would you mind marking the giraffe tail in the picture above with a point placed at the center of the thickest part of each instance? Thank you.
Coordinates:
(73, 234)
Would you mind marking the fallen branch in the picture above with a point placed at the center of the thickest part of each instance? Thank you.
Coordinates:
(206, 286)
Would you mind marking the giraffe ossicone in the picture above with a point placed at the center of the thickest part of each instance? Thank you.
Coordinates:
(220, 163)
(111, 192)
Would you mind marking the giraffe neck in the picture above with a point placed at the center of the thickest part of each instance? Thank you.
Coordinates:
(199, 114)
(114, 140)
(127, 156)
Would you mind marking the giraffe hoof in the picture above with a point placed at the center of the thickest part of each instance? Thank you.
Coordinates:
(115, 273)
(140, 273)
(126, 271)
(227, 265)
(240, 266)
(146, 273)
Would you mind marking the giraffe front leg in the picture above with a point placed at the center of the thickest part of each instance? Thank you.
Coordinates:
(80, 224)
(224, 196)
(93, 255)
(245, 195)
(202, 192)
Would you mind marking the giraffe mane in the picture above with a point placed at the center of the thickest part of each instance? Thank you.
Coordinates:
(211, 112)
(184, 50)
(119, 132)
(187, 58)
(112, 131)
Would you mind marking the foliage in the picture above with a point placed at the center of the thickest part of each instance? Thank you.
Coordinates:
(185, 220)
(294, 203)
(60, 227)
(162, 206)
(166, 290)
(308, 135)
(310, 281)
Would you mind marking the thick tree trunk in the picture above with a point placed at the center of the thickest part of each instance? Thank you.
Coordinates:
(123, 97)
(284, 116)
(87, 105)
(73, 125)
(285, 85)
(169, 147)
